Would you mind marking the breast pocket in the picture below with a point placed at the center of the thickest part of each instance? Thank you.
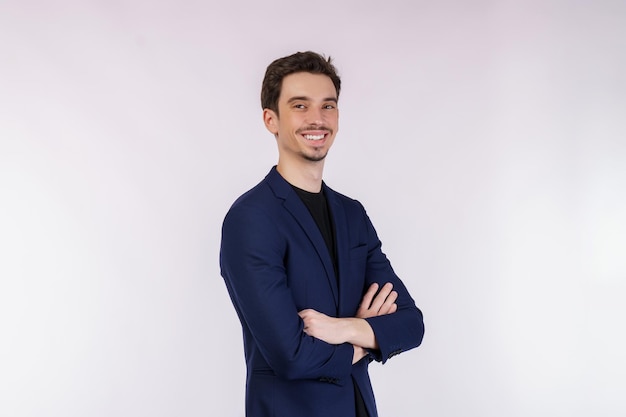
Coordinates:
(358, 252)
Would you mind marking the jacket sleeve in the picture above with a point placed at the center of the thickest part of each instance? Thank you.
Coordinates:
(252, 263)
(404, 329)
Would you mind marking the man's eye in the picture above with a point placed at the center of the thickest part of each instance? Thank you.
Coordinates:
(298, 106)
(329, 107)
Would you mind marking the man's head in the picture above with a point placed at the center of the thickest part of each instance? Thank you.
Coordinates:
(299, 98)
(310, 62)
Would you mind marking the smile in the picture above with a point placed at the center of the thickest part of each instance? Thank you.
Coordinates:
(314, 137)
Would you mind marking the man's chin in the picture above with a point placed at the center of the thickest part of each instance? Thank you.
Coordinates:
(314, 158)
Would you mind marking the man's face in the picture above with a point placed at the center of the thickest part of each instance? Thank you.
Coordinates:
(308, 118)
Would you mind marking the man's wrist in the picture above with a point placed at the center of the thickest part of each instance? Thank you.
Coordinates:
(359, 332)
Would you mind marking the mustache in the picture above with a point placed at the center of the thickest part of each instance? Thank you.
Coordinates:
(314, 127)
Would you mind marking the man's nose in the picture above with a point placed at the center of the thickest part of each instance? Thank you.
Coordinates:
(315, 116)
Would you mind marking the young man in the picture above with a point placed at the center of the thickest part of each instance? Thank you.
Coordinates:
(317, 298)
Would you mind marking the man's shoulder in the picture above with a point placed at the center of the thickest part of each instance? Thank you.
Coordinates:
(258, 195)
(263, 194)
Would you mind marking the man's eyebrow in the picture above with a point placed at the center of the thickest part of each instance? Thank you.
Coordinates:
(304, 98)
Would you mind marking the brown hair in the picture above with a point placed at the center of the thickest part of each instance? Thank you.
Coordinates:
(299, 62)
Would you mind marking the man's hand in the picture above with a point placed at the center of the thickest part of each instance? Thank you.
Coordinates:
(353, 330)
(379, 304)
(329, 329)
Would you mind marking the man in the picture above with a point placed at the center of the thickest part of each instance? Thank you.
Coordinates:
(316, 296)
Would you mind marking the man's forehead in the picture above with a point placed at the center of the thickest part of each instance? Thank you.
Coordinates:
(311, 86)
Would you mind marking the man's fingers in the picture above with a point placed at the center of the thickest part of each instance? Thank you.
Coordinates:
(389, 304)
(377, 303)
(369, 295)
(381, 297)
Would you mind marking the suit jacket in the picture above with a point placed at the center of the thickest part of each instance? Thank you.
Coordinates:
(275, 263)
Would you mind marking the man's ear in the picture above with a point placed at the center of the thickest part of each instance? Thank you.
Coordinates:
(270, 118)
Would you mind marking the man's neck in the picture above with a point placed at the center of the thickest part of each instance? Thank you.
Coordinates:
(306, 175)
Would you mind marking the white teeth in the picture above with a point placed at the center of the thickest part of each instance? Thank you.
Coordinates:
(313, 137)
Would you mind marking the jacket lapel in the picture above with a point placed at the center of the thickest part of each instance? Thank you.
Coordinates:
(298, 210)
(338, 214)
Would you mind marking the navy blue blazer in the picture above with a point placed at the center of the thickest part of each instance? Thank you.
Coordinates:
(275, 263)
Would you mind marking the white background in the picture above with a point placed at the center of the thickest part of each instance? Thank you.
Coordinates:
(487, 140)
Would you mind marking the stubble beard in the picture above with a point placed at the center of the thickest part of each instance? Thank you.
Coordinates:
(314, 158)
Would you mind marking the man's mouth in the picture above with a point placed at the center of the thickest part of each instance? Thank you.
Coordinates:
(314, 137)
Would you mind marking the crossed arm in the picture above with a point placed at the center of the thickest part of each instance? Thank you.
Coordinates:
(354, 330)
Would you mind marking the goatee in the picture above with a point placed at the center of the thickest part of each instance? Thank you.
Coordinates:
(314, 158)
